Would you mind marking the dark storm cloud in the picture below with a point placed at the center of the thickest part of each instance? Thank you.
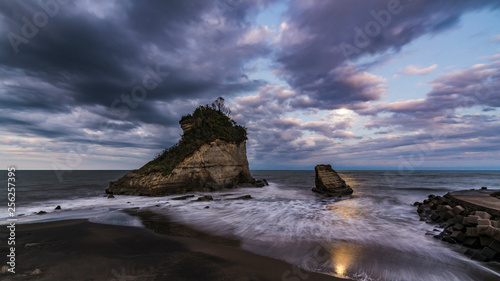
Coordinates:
(88, 57)
(321, 37)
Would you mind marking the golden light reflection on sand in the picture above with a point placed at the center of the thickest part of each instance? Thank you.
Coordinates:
(343, 258)
(340, 270)
(344, 255)
(346, 209)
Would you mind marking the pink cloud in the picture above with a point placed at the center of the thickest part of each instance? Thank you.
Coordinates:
(414, 70)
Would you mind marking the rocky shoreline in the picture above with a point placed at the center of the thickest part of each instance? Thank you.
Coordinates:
(465, 224)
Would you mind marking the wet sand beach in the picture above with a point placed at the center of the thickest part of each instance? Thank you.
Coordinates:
(81, 250)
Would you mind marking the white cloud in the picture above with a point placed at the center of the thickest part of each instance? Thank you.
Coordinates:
(414, 70)
(256, 36)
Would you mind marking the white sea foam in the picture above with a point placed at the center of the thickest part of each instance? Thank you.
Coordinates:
(374, 235)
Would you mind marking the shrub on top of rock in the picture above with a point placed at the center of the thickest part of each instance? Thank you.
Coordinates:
(206, 124)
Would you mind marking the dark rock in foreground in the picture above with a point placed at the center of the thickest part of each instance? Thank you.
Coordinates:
(329, 183)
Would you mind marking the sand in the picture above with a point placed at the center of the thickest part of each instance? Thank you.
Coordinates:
(81, 250)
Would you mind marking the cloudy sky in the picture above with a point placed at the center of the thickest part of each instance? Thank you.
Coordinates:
(363, 84)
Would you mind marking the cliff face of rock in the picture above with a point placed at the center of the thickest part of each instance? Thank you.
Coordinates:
(213, 166)
(210, 156)
(329, 183)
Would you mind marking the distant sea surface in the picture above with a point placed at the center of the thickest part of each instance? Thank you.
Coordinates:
(374, 235)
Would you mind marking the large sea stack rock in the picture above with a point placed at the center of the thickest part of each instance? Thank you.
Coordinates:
(329, 183)
(210, 156)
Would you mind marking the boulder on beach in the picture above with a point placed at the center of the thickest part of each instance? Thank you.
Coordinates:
(329, 183)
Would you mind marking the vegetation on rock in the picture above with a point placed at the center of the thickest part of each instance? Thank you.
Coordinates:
(206, 124)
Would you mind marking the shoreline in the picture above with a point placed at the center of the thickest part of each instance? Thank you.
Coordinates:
(81, 250)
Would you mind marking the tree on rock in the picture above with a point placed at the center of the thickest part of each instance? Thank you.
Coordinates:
(219, 105)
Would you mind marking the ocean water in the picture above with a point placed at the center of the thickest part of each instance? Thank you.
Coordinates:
(375, 234)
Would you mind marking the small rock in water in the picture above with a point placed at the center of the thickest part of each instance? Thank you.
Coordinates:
(111, 196)
(36, 272)
(183, 197)
(58, 207)
(41, 213)
(205, 198)
(329, 183)
(484, 187)
(206, 207)
(244, 197)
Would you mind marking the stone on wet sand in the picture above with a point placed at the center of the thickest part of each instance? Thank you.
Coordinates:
(260, 183)
(36, 272)
(205, 198)
(4, 269)
(244, 197)
(183, 197)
